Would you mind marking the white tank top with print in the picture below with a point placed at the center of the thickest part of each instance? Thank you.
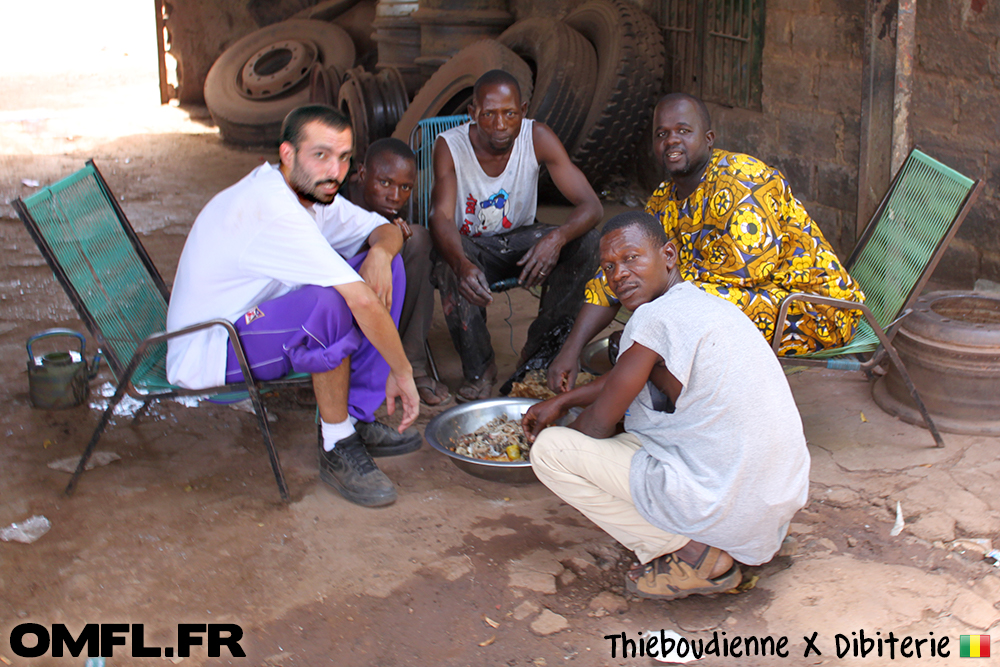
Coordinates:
(484, 205)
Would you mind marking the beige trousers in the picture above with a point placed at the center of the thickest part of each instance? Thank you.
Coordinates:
(592, 475)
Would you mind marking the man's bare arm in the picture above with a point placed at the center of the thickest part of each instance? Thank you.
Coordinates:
(376, 324)
(606, 399)
(387, 238)
(384, 243)
(589, 322)
(623, 384)
(587, 211)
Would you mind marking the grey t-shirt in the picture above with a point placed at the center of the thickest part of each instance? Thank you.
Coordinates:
(729, 466)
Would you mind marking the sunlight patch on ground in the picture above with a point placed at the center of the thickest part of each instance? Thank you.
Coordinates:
(77, 77)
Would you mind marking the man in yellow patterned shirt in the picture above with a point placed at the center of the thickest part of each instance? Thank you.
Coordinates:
(741, 235)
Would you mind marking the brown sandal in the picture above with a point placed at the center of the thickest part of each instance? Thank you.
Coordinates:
(670, 578)
(477, 390)
(431, 391)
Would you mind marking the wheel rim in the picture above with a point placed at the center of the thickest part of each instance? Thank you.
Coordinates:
(276, 68)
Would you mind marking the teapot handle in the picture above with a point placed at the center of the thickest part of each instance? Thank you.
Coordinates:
(48, 333)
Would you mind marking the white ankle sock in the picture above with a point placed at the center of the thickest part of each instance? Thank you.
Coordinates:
(334, 432)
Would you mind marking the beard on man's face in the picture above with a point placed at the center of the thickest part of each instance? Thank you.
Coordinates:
(307, 189)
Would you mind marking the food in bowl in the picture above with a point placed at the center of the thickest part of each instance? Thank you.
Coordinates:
(535, 385)
(500, 439)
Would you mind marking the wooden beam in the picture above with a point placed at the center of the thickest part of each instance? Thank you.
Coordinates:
(878, 84)
(905, 49)
(161, 55)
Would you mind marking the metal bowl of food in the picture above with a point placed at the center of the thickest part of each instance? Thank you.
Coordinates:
(444, 431)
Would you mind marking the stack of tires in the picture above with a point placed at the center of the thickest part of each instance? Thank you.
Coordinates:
(593, 78)
(255, 82)
(253, 85)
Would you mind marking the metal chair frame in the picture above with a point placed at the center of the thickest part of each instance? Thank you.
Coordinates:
(149, 388)
(852, 356)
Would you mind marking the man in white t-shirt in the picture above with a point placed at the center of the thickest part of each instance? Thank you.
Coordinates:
(483, 224)
(713, 462)
(313, 284)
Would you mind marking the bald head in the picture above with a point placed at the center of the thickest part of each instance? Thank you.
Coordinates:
(495, 78)
(671, 99)
(682, 138)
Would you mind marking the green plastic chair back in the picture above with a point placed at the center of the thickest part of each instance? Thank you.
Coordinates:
(86, 241)
(422, 142)
(900, 248)
(915, 220)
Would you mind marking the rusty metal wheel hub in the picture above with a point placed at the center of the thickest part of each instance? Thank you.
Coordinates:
(950, 345)
(277, 68)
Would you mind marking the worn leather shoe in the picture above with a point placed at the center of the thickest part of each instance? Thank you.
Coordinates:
(349, 468)
(382, 440)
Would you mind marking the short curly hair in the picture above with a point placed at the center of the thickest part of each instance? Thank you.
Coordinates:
(647, 224)
(298, 118)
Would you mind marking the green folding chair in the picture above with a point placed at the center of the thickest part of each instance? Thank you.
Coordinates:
(892, 261)
(117, 291)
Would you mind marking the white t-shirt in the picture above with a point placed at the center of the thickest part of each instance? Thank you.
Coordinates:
(252, 242)
(729, 467)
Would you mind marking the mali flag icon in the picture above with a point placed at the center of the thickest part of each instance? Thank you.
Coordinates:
(974, 646)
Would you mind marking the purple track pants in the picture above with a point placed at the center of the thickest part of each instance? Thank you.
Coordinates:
(311, 330)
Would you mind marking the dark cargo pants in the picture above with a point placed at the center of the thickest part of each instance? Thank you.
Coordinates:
(497, 256)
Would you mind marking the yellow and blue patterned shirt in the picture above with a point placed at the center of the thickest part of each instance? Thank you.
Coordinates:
(742, 236)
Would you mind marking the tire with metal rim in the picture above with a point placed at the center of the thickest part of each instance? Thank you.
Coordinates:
(449, 90)
(564, 63)
(630, 64)
(374, 103)
(255, 82)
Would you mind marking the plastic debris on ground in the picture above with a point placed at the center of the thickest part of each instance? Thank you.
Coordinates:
(97, 459)
(127, 407)
(897, 527)
(746, 585)
(979, 545)
(26, 531)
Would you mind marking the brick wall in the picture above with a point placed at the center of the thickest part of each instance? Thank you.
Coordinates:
(955, 117)
(809, 124)
(810, 121)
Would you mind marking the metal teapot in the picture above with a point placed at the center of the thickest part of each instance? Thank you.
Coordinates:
(57, 380)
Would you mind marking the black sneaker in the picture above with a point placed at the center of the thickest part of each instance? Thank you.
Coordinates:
(349, 468)
(382, 440)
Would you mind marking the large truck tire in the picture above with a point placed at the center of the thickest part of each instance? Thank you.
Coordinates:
(255, 120)
(564, 63)
(630, 62)
(449, 90)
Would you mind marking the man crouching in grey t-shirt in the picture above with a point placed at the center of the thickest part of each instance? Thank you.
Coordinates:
(713, 462)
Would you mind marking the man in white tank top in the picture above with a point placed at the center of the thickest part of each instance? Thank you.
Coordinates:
(484, 229)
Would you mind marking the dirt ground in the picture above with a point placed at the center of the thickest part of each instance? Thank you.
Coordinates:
(188, 528)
